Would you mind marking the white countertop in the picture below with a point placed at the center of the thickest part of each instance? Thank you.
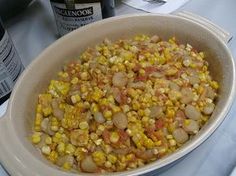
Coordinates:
(34, 30)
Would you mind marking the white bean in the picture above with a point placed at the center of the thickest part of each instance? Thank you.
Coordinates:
(156, 75)
(57, 112)
(67, 158)
(88, 165)
(44, 125)
(174, 86)
(210, 93)
(191, 126)
(137, 85)
(155, 39)
(119, 79)
(192, 112)
(120, 120)
(156, 111)
(194, 79)
(180, 135)
(187, 95)
(209, 108)
(98, 116)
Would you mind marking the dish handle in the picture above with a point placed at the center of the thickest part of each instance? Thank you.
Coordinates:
(221, 33)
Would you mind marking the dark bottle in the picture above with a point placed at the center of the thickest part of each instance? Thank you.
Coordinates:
(72, 14)
(10, 65)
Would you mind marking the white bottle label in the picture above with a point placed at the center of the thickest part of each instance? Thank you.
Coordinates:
(68, 20)
(10, 65)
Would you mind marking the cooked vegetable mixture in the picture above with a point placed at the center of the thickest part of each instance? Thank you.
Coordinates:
(122, 105)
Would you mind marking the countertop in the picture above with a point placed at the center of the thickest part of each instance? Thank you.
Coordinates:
(34, 29)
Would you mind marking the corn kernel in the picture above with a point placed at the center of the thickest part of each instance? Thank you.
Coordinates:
(99, 157)
(111, 99)
(93, 136)
(97, 94)
(170, 113)
(145, 119)
(84, 125)
(70, 149)
(75, 80)
(101, 128)
(114, 137)
(107, 114)
(112, 158)
(141, 112)
(61, 147)
(83, 88)
(36, 138)
(172, 142)
(142, 72)
(116, 109)
(98, 142)
(39, 108)
(147, 112)
(129, 132)
(108, 164)
(162, 150)
(66, 166)
(84, 76)
(125, 108)
(46, 150)
(94, 108)
(48, 140)
(214, 85)
(47, 111)
(37, 128)
(158, 143)
(149, 143)
(38, 119)
(53, 156)
(186, 122)
(75, 98)
(169, 136)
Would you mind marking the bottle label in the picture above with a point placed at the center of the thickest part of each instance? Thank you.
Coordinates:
(10, 65)
(69, 18)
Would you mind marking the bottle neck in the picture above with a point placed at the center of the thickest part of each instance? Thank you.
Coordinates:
(2, 30)
(76, 1)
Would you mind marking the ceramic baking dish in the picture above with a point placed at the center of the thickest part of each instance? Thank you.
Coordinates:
(20, 157)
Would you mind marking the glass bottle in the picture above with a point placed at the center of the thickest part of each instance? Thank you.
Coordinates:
(10, 65)
(72, 14)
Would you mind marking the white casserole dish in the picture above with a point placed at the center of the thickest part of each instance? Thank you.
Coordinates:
(20, 157)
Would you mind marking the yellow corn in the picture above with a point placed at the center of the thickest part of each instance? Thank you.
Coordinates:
(114, 137)
(107, 114)
(112, 158)
(66, 166)
(36, 138)
(48, 140)
(53, 156)
(70, 149)
(99, 157)
(84, 125)
(61, 147)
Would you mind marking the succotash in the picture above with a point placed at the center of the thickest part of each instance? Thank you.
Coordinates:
(124, 104)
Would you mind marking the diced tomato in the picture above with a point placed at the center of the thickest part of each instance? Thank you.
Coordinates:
(150, 69)
(123, 135)
(106, 136)
(123, 97)
(141, 78)
(159, 124)
(137, 67)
